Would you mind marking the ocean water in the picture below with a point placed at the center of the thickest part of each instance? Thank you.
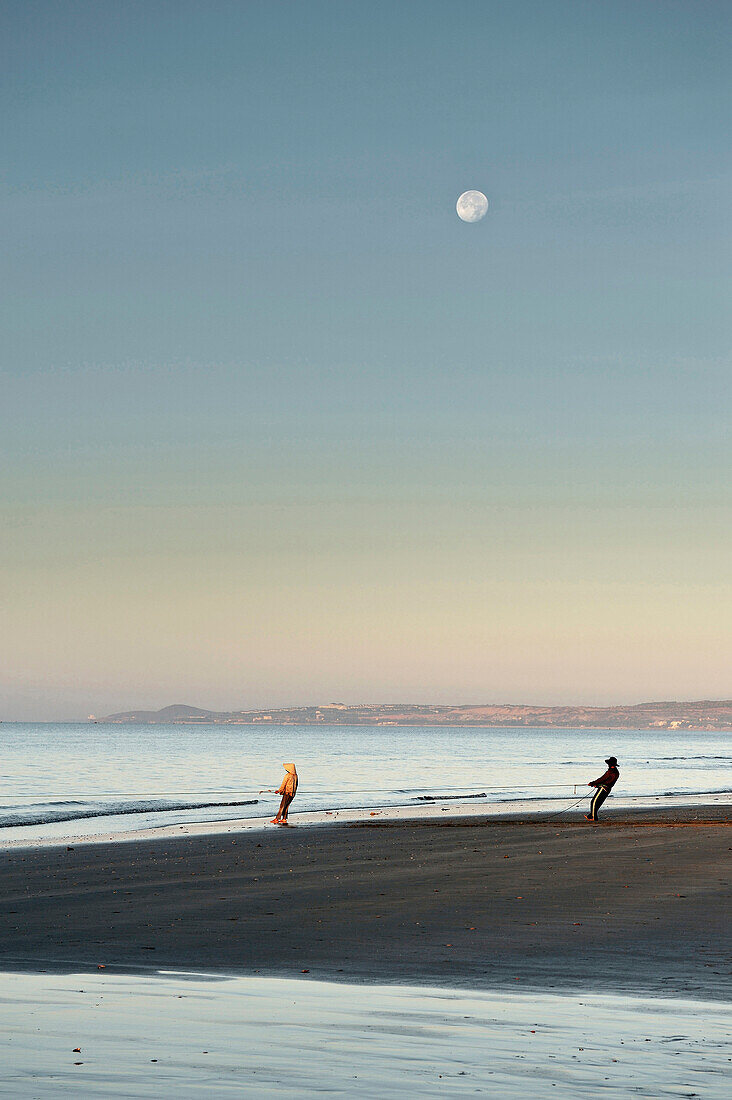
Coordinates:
(85, 779)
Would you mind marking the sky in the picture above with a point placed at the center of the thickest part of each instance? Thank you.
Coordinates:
(277, 428)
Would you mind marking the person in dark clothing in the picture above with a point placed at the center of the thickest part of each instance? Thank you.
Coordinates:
(604, 785)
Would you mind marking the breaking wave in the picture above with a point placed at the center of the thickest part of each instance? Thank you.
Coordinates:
(79, 811)
(446, 797)
(680, 794)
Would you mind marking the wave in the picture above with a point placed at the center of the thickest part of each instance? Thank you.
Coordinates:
(694, 756)
(446, 797)
(688, 760)
(675, 794)
(81, 812)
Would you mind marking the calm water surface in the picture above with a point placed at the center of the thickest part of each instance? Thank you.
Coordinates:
(66, 779)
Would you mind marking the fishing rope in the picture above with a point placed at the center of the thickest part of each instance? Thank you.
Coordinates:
(551, 817)
(566, 810)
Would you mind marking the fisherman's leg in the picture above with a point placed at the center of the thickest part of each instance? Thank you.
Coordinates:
(598, 800)
(286, 800)
(283, 803)
(603, 795)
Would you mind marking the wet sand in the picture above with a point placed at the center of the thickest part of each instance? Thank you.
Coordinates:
(102, 1035)
(637, 904)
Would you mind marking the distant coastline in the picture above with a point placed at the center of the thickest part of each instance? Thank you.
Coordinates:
(702, 715)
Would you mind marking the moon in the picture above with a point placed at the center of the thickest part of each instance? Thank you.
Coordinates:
(472, 206)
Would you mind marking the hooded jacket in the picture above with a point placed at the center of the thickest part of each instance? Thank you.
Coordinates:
(289, 783)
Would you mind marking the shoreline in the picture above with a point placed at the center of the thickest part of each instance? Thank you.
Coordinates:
(470, 810)
(637, 903)
(502, 726)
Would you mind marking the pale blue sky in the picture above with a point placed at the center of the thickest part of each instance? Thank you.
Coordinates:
(234, 281)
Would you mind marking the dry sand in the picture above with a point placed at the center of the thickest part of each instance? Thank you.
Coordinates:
(638, 904)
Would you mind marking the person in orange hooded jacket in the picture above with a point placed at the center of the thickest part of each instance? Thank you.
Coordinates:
(288, 789)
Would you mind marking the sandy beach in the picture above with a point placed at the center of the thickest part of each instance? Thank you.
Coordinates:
(638, 903)
(108, 1034)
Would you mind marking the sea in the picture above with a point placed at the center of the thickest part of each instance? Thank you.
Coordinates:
(85, 779)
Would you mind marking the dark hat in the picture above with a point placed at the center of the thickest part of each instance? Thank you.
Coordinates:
(611, 761)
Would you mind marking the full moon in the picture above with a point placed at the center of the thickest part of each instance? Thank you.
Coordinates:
(472, 206)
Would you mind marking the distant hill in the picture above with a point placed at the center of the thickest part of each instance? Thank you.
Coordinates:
(706, 714)
(178, 712)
